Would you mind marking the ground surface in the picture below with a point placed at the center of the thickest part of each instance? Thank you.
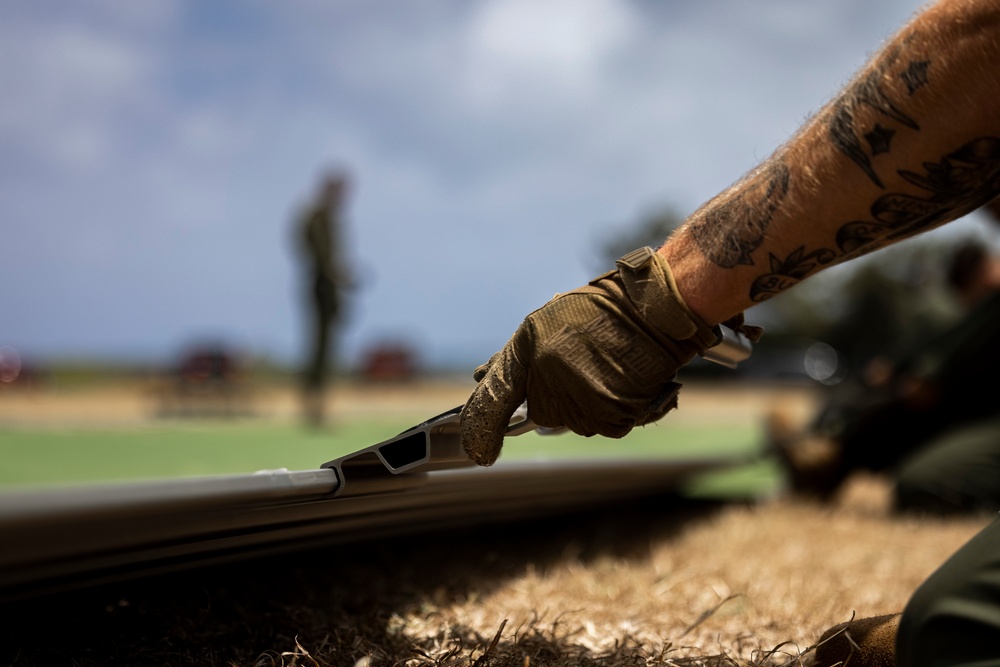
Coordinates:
(117, 430)
(660, 582)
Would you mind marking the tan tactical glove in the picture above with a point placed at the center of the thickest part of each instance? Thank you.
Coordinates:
(598, 360)
(866, 642)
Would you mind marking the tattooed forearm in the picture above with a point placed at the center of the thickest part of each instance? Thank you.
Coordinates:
(855, 123)
(958, 184)
(786, 273)
(729, 230)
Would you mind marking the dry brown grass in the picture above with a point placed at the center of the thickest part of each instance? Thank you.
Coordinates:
(663, 582)
(736, 585)
(667, 582)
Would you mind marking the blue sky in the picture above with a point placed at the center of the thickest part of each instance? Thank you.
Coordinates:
(154, 153)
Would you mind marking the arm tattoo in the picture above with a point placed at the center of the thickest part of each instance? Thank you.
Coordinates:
(958, 184)
(729, 231)
(851, 126)
(784, 274)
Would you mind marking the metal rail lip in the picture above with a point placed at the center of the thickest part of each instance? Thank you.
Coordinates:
(52, 543)
(433, 445)
(402, 460)
(155, 495)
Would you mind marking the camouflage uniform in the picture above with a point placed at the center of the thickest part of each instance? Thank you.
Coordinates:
(320, 245)
(954, 617)
(941, 444)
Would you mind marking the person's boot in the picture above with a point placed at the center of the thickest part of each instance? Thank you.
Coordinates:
(866, 642)
(811, 463)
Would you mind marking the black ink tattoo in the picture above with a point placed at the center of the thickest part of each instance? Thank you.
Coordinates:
(959, 183)
(878, 139)
(729, 232)
(915, 76)
(784, 274)
(845, 123)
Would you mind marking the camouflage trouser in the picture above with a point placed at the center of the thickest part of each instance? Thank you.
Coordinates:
(325, 306)
(957, 471)
(954, 617)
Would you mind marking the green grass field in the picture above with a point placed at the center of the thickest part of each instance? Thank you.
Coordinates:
(34, 456)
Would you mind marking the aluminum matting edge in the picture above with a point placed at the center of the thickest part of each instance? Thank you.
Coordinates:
(68, 537)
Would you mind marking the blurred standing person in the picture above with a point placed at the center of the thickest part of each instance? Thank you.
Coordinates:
(318, 231)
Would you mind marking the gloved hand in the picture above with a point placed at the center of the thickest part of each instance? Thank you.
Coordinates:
(866, 642)
(600, 359)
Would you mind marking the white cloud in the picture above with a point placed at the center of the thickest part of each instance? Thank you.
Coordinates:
(67, 88)
(548, 48)
(129, 16)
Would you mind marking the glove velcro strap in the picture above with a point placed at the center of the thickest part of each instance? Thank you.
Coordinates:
(649, 283)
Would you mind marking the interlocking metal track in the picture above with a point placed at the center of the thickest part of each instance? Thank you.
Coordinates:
(66, 537)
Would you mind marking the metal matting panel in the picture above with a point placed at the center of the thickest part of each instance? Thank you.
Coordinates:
(78, 536)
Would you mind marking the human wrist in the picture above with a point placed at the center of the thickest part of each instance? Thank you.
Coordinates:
(649, 283)
(707, 291)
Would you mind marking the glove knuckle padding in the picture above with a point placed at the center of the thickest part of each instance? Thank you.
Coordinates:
(590, 365)
(602, 354)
